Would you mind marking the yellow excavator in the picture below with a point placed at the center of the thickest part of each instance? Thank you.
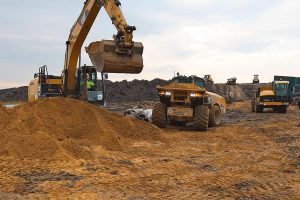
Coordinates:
(120, 55)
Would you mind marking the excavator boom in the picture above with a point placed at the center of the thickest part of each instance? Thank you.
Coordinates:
(121, 55)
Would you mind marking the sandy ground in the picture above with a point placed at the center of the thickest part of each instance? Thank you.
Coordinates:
(251, 156)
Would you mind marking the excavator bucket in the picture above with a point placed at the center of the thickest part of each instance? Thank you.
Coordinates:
(105, 58)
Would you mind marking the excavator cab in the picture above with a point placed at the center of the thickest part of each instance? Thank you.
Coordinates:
(86, 86)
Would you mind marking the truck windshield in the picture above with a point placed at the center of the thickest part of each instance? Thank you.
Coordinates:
(181, 79)
(281, 89)
(199, 82)
(191, 80)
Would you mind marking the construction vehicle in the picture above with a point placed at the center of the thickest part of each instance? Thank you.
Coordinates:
(231, 81)
(208, 79)
(294, 86)
(275, 96)
(44, 85)
(120, 55)
(255, 79)
(297, 101)
(186, 100)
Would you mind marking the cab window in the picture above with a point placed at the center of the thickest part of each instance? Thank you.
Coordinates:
(199, 82)
(281, 89)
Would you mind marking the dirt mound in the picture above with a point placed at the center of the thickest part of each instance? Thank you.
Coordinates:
(133, 91)
(143, 90)
(14, 94)
(63, 129)
(3, 114)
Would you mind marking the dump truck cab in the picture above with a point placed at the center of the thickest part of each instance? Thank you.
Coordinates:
(185, 99)
(256, 79)
(190, 80)
(208, 79)
(275, 96)
(231, 81)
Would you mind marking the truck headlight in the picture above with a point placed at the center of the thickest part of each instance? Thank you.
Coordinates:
(195, 95)
(165, 93)
(168, 93)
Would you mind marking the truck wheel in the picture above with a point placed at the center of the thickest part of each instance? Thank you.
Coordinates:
(215, 116)
(259, 109)
(159, 115)
(253, 105)
(282, 109)
(201, 118)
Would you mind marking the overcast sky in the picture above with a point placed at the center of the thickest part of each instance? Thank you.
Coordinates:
(224, 38)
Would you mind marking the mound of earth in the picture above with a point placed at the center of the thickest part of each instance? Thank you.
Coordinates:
(64, 129)
(143, 90)
(3, 115)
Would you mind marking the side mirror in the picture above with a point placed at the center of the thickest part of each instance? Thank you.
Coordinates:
(35, 75)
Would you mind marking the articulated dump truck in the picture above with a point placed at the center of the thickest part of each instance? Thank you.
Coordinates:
(186, 101)
(274, 96)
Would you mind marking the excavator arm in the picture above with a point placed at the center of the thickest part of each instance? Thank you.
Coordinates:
(123, 44)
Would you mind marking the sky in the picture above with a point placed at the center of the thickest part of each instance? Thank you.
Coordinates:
(224, 38)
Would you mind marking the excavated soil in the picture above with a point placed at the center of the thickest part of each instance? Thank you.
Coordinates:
(250, 156)
(66, 129)
(143, 90)
(3, 115)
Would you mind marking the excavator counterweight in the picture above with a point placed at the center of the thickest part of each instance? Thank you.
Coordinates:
(107, 58)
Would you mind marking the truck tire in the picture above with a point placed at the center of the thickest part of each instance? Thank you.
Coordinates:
(252, 106)
(259, 109)
(282, 109)
(214, 116)
(201, 118)
(159, 115)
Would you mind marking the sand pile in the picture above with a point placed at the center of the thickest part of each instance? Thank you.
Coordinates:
(63, 129)
(3, 114)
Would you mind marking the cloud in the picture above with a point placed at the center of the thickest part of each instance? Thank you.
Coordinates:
(222, 38)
